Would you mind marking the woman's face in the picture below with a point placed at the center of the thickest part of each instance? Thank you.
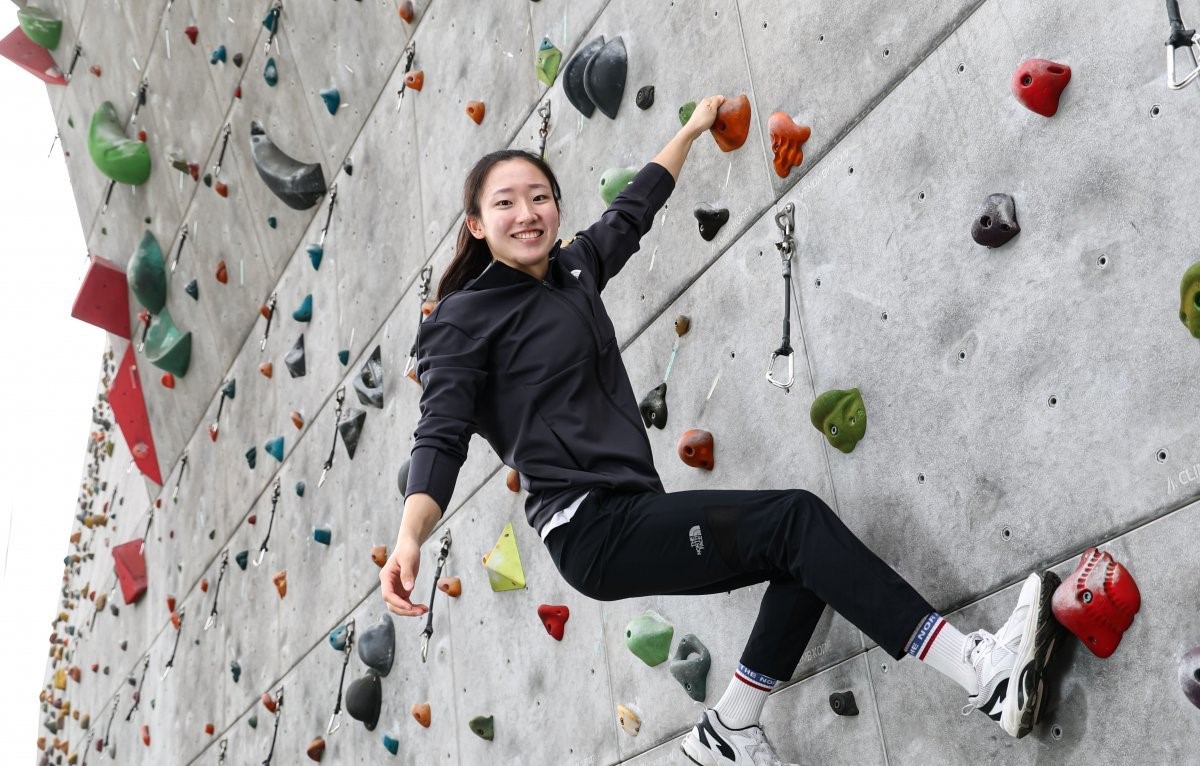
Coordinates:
(517, 216)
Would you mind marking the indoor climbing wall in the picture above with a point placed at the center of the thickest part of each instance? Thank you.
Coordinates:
(986, 253)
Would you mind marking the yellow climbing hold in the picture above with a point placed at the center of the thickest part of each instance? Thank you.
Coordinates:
(503, 563)
(60, 679)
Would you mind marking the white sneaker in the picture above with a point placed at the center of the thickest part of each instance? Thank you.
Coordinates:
(711, 743)
(1020, 651)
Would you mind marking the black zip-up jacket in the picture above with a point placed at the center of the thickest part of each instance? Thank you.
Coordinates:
(534, 367)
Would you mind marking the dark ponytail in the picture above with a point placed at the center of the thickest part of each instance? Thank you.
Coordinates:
(471, 255)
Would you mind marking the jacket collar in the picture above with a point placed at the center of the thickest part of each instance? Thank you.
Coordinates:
(500, 274)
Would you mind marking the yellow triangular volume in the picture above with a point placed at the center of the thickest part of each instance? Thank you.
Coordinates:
(503, 564)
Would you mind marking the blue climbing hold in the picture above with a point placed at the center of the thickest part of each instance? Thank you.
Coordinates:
(332, 99)
(344, 356)
(271, 72)
(337, 637)
(304, 313)
(218, 55)
(315, 254)
(252, 456)
(300, 488)
(322, 535)
(275, 447)
(392, 744)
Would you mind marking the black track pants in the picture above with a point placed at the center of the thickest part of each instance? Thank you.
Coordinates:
(710, 541)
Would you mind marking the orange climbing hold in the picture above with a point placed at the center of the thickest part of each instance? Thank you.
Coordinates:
(696, 449)
(315, 750)
(168, 380)
(415, 79)
(475, 110)
(146, 734)
(74, 673)
(451, 586)
(406, 11)
(732, 124)
(176, 621)
(141, 136)
(212, 431)
(297, 420)
(222, 272)
(787, 142)
(421, 712)
(427, 308)
(269, 702)
(96, 70)
(267, 369)
(280, 580)
(265, 310)
(221, 188)
(209, 729)
(513, 481)
(379, 555)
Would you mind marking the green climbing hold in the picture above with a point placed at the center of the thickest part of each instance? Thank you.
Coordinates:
(841, 416)
(1189, 300)
(685, 112)
(40, 26)
(304, 313)
(236, 670)
(344, 356)
(315, 254)
(613, 182)
(167, 347)
(242, 558)
(690, 666)
(124, 160)
(275, 448)
(147, 274)
(503, 563)
(252, 457)
(548, 59)
(483, 727)
(649, 637)
(271, 72)
(391, 743)
(332, 98)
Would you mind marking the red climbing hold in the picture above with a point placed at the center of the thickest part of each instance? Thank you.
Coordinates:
(146, 734)
(176, 620)
(103, 299)
(1097, 602)
(204, 585)
(237, 92)
(125, 398)
(168, 380)
(406, 11)
(732, 124)
(696, 449)
(213, 429)
(427, 308)
(475, 110)
(513, 481)
(222, 272)
(265, 310)
(269, 702)
(194, 170)
(209, 729)
(33, 58)
(170, 603)
(554, 618)
(252, 519)
(1038, 83)
(142, 136)
(787, 142)
(415, 79)
(192, 33)
(95, 69)
(131, 569)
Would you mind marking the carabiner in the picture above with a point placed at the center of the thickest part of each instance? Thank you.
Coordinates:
(332, 727)
(791, 367)
(1180, 38)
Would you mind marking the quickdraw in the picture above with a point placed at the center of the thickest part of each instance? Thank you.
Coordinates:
(335, 720)
(224, 745)
(328, 215)
(225, 132)
(270, 314)
(410, 52)
(262, 549)
(137, 695)
(785, 220)
(215, 427)
(182, 467)
(144, 318)
(108, 196)
(337, 418)
(146, 531)
(544, 112)
(107, 743)
(139, 99)
(271, 22)
(423, 294)
(275, 733)
(1187, 39)
(212, 615)
(428, 632)
(174, 649)
(74, 60)
(183, 235)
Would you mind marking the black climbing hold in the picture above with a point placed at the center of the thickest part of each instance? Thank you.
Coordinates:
(363, 700)
(242, 558)
(348, 166)
(237, 60)
(711, 220)
(295, 359)
(843, 703)
(300, 185)
(573, 77)
(604, 77)
(252, 456)
(192, 289)
(377, 646)
(230, 388)
(997, 224)
(350, 427)
(654, 407)
(402, 476)
(368, 384)
(645, 97)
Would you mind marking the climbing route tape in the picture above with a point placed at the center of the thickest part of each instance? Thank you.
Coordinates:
(1187, 39)
(337, 417)
(335, 719)
(428, 632)
(262, 549)
(212, 615)
(786, 222)
(178, 632)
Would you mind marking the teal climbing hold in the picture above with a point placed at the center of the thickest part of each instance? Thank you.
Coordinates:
(613, 182)
(649, 637)
(218, 55)
(304, 313)
(235, 669)
(271, 72)
(242, 559)
(230, 388)
(147, 274)
(253, 720)
(332, 99)
(275, 448)
(270, 19)
(322, 535)
(392, 744)
(272, 221)
(252, 456)
(338, 636)
(300, 488)
(193, 289)
(344, 356)
(315, 254)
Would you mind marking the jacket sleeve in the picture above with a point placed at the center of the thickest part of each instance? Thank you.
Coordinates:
(606, 245)
(452, 367)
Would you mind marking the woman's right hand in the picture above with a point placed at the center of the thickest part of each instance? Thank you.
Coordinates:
(399, 575)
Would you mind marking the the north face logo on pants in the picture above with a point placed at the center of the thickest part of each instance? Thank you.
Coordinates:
(697, 539)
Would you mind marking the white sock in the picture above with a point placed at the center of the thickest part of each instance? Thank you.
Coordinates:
(742, 703)
(940, 645)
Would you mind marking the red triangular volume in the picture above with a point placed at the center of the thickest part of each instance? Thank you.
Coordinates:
(30, 56)
(129, 408)
(131, 569)
(103, 298)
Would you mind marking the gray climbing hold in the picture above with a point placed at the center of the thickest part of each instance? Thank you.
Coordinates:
(997, 223)
(300, 185)
(295, 359)
(377, 646)
(368, 384)
(690, 666)
(604, 77)
(364, 697)
(350, 427)
(573, 77)
(842, 703)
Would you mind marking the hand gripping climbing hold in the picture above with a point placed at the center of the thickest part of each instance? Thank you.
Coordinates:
(732, 124)
(300, 185)
(422, 713)
(503, 563)
(548, 59)
(1189, 675)
(997, 223)
(630, 721)
(124, 160)
(415, 79)
(451, 586)
(303, 312)
(1189, 299)
(649, 637)
(690, 666)
(475, 110)
(604, 77)
(368, 384)
(554, 618)
(147, 274)
(645, 97)
(613, 182)
(573, 77)
(653, 407)
(332, 98)
(841, 416)
(1097, 602)
(295, 359)
(363, 700)
(483, 727)
(377, 646)
(696, 449)
(41, 27)
(1038, 83)
(315, 750)
(787, 142)
(842, 703)
(711, 219)
(350, 427)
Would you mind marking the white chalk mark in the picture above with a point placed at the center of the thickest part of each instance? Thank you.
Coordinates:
(135, 63)
(713, 387)
(652, 255)
(728, 173)
(348, 69)
(241, 272)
